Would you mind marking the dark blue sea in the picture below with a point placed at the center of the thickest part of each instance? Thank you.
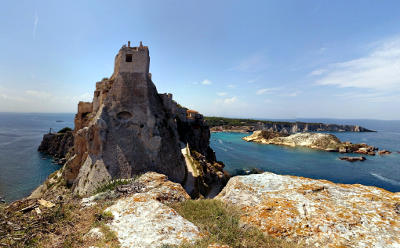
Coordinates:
(22, 168)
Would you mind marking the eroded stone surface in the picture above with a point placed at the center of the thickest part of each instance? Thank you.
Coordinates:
(317, 212)
(142, 220)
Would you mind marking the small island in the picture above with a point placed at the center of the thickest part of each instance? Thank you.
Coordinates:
(320, 141)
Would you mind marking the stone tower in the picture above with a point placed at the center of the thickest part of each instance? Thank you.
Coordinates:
(129, 129)
(132, 60)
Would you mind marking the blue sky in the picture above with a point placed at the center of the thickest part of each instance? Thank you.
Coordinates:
(259, 59)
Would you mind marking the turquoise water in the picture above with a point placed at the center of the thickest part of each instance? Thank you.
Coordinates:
(380, 171)
(22, 168)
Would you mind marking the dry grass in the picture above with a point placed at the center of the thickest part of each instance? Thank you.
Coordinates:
(220, 224)
(61, 226)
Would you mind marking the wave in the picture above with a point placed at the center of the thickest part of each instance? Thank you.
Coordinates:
(385, 179)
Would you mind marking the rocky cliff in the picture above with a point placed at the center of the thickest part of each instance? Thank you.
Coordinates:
(317, 213)
(57, 144)
(129, 129)
(320, 141)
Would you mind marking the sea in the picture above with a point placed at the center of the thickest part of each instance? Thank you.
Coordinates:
(23, 168)
(383, 171)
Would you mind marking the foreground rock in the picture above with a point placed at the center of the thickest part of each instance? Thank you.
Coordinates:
(320, 141)
(134, 214)
(143, 220)
(316, 212)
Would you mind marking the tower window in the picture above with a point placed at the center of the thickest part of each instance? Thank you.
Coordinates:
(128, 58)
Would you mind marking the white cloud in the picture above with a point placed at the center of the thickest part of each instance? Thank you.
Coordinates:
(253, 63)
(230, 100)
(227, 100)
(317, 72)
(206, 82)
(262, 91)
(38, 94)
(35, 24)
(266, 91)
(12, 98)
(253, 80)
(231, 86)
(293, 94)
(378, 70)
(222, 93)
(370, 96)
(39, 101)
(322, 50)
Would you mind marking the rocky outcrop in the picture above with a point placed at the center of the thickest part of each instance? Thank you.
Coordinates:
(317, 213)
(143, 220)
(353, 159)
(286, 127)
(384, 152)
(57, 144)
(320, 141)
(129, 129)
(116, 217)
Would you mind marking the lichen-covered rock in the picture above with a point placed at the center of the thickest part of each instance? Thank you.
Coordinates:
(143, 220)
(318, 213)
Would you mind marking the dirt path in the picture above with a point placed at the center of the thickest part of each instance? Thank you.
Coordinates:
(189, 184)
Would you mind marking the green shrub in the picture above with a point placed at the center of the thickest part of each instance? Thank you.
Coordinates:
(64, 130)
(111, 185)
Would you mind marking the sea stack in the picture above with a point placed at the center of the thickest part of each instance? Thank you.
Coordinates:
(129, 129)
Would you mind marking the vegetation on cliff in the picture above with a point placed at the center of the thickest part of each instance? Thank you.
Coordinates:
(222, 224)
(223, 121)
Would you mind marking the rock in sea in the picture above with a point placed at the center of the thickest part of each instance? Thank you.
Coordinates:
(353, 159)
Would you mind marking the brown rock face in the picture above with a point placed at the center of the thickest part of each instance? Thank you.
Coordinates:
(57, 144)
(130, 129)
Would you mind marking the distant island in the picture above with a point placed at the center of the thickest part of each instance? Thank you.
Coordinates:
(222, 124)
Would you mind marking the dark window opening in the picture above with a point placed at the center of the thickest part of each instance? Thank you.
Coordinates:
(128, 58)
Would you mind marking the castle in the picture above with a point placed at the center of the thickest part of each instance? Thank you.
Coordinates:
(129, 128)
